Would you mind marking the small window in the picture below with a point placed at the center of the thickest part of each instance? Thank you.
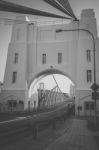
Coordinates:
(14, 77)
(44, 58)
(79, 108)
(59, 58)
(12, 103)
(16, 58)
(41, 86)
(88, 55)
(87, 107)
(92, 106)
(89, 75)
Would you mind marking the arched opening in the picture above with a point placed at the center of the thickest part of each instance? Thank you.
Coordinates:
(50, 86)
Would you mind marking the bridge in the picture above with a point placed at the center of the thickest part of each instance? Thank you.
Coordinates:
(37, 50)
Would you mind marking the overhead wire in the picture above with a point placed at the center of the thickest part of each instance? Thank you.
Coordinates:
(58, 85)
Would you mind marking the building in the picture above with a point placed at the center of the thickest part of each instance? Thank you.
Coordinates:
(35, 51)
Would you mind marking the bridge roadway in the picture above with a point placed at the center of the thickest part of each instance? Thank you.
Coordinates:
(24, 126)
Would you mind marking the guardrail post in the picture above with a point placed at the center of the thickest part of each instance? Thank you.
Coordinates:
(61, 120)
(35, 131)
(54, 124)
(63, 116)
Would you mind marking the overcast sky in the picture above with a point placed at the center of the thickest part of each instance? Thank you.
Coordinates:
(5, 30)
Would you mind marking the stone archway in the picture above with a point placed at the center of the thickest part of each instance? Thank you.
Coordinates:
(48, 72)
(39, 76)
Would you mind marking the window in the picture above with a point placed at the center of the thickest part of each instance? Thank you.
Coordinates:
(87, 106)
(89, 75)
(92, 106)
(79, 108)
(12, 103)
(14, 77)
(41, 86)
(16, 58)
(44, 58)
(59, 58)
(88, 55)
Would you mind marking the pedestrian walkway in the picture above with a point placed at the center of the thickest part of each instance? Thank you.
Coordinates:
(76, 137)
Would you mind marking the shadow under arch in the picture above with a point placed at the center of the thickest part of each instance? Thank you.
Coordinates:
(46, 72)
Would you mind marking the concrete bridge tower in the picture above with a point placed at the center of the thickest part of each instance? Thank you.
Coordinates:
(15, 83)
(34, 49)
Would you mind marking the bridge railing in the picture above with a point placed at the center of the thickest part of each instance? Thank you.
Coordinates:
(36, 122)
(51, 118)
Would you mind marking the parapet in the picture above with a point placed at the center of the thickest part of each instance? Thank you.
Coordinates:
(87, 14)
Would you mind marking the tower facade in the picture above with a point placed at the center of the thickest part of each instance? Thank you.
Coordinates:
(38, 50)
(15, 84)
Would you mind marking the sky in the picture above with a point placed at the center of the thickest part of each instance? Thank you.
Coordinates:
(5, 29)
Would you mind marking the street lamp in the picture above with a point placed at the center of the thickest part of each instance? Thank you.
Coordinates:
(94, 86)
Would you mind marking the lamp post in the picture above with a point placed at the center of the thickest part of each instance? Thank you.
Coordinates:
(94, 86)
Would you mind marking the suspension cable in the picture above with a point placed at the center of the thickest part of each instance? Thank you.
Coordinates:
(58, 85)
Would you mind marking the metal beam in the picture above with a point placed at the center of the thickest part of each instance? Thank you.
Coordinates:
(66, 5)
(57, 6)
(15, 8)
